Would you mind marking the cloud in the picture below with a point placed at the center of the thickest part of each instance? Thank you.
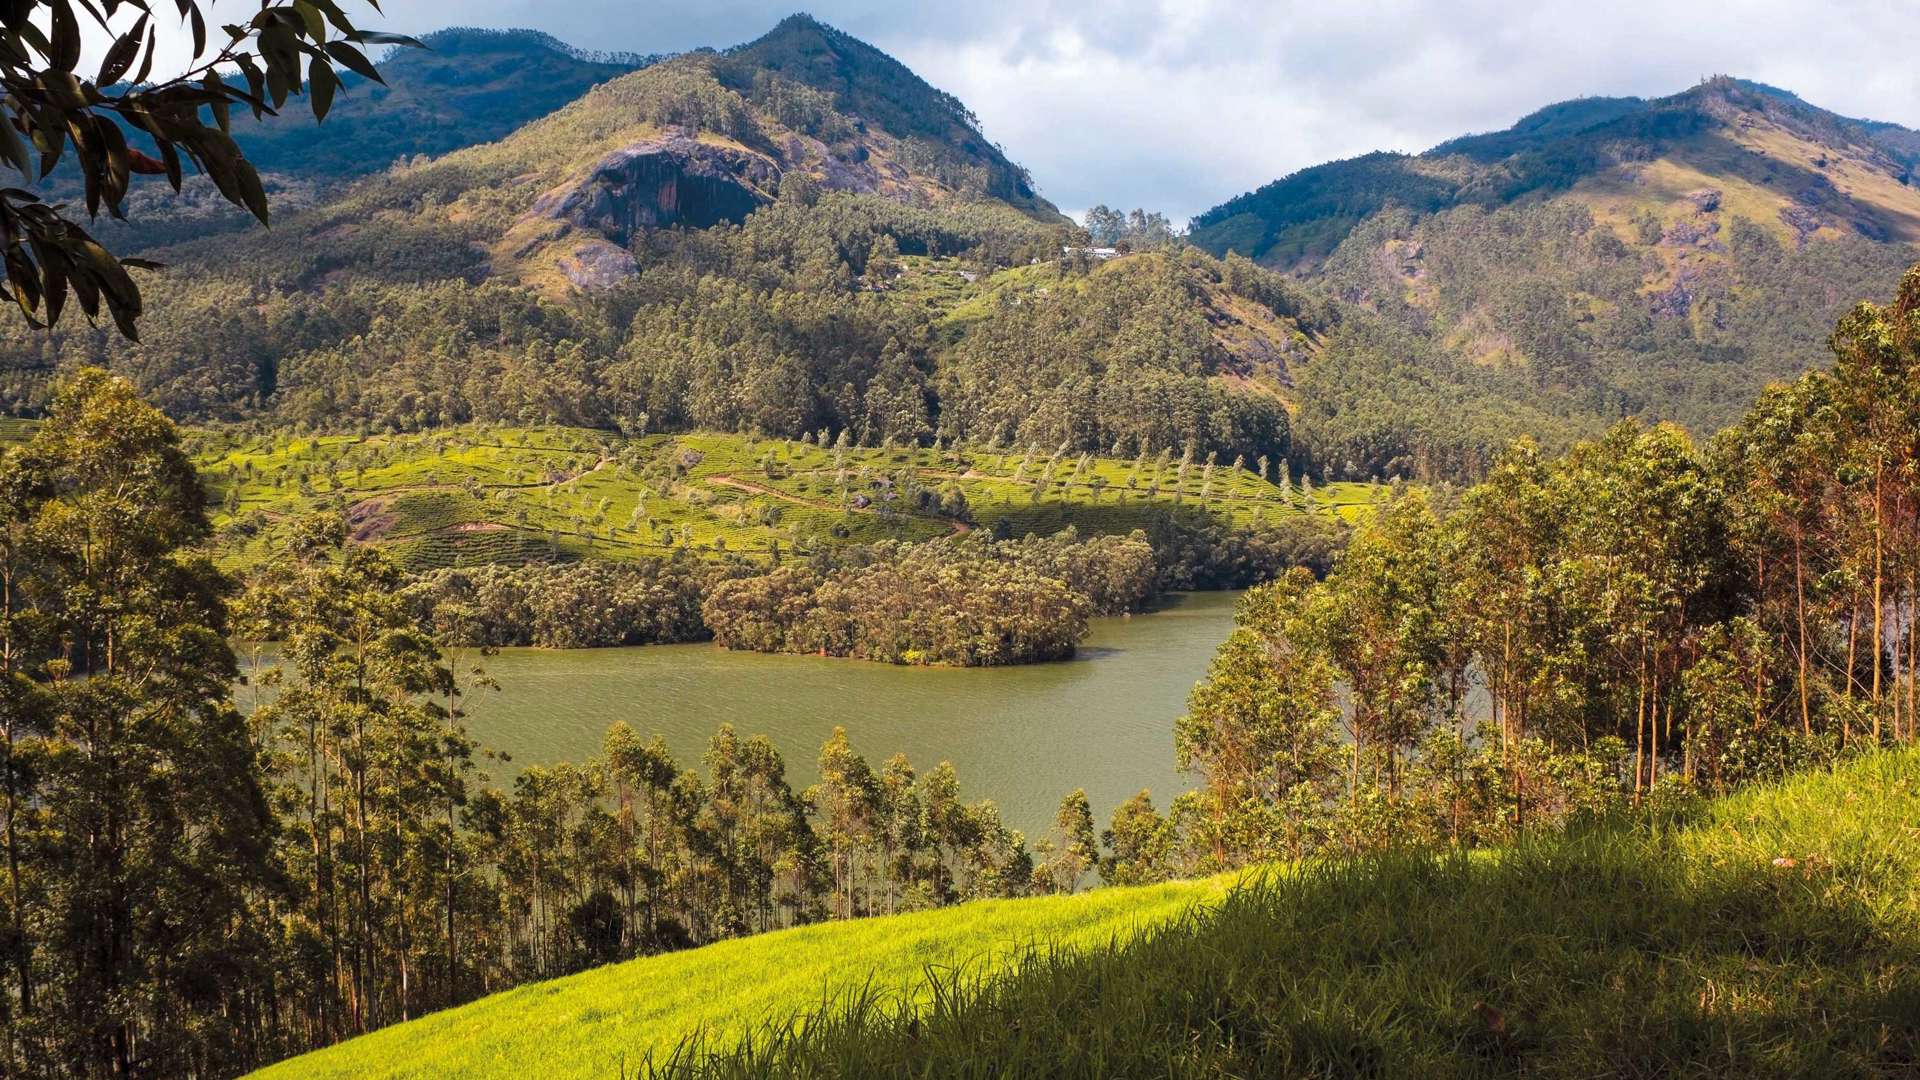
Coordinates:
(1179, 104)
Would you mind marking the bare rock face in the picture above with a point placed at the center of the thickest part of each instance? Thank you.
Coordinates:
(1676, 302)
(667, 181)
(595, 264)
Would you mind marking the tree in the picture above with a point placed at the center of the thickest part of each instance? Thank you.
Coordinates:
(848, 798)
(1072, 849)
(1877, 399)
(369, 757)
(1138, 843)
(138, 831)
(285, 49)
(1378, 615)
(1261, 729)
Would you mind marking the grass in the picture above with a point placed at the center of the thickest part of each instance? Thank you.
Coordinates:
(478, 494)
(594, 1023)
(1775, 934)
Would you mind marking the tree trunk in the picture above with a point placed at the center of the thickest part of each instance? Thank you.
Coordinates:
(1800, 605)
(1879, 603)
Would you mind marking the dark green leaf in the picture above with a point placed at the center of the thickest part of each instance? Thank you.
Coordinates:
(66, 36)
(12, 147)
(321, 83)
(146, 62)
(316, 21)
(251, 191)
(120, 57)
(375, 37)
(171, 159)
(354, 61)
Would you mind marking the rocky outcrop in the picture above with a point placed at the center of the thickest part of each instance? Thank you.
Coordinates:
(672, 180)
(1803, 220)
(595, 264)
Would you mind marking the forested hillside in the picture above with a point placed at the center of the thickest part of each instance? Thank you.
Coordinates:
(1604, 257)
(466, 86)
(772, 347)
(1657, 625)
(800, 234)
(791, 236)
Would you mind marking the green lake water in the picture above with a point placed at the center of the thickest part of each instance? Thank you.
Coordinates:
(1022, 736)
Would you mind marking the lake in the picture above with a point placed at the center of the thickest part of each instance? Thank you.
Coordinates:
(1022, 736)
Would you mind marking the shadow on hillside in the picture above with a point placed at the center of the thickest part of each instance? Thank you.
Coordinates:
(1599, 956)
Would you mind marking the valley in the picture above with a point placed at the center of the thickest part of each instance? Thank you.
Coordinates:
(519, 559)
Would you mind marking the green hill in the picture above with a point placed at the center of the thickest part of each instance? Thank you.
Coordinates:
(698, 139)
(593, 1024)
(467, 86)
(1772, 933)
(800, 233)
(1604, 257)
(479, 495)
(1796, 168)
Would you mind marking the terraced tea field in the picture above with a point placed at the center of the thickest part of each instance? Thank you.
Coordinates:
(484, 494)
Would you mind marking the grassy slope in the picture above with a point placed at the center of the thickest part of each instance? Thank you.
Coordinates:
(587, 1025)
(1778, 935)
(457, 497)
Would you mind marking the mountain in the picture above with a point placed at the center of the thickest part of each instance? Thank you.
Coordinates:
(695, 140)
(762, 238)
(1603, 257)
(798, 235)
(1801, 170)
(466, 86)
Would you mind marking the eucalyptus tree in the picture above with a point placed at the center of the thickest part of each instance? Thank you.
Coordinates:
(370, 759)
(1379, 617)
(1071, 849)
(1261, 731)
(1877, 381)
(137, 831)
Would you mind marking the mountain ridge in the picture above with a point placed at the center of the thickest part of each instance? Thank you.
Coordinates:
(1298, 219)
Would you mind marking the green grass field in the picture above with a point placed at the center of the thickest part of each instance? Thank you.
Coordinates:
(475, 495)
(1776, 934)
(588, 1025)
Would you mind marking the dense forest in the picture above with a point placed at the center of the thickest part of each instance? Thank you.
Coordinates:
(859, 258)
(1647, 617)
(197, 891)
(1603, 258)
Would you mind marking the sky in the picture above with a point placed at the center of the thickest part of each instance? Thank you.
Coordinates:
(1181, 104)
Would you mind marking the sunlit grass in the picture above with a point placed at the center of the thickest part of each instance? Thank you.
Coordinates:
(1775, 934)
(588, 1025)
(1778, 935)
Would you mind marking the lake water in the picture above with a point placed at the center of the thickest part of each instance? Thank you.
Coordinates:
(1022, 736)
